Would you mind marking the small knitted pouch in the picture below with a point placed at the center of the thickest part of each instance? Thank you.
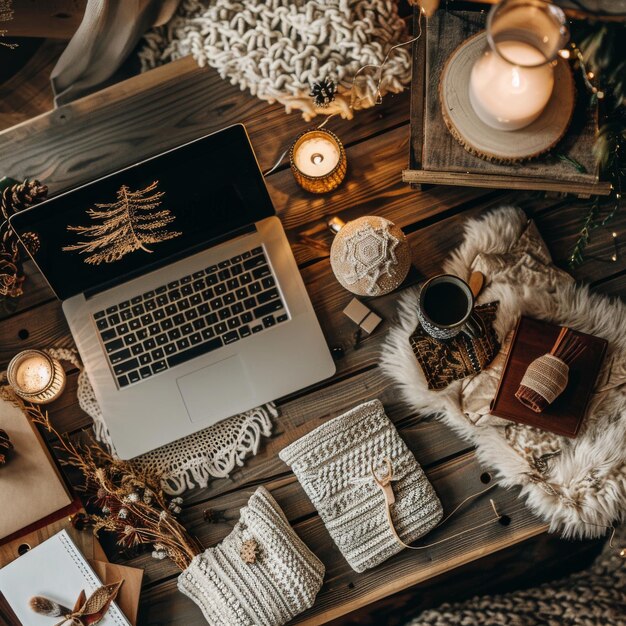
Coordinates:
(335, 464)
(261, 574)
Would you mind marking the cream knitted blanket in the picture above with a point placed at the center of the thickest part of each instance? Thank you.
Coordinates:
(277, 49)
(577, 485)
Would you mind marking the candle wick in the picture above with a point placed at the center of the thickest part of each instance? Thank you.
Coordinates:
(317, 158)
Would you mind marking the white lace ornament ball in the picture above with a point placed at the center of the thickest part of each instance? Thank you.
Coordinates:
(370, 256)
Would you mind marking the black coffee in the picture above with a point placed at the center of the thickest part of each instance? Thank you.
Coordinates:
(445, 303)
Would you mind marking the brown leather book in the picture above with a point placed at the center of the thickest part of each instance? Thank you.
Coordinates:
(532, 339)
(32, 490)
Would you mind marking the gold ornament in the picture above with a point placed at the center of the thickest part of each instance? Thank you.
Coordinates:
(370, 256)
(249, 551)
(131, 223)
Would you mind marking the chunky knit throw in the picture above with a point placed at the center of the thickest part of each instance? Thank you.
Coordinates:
(593, 597)
(333, 463)
(266, 582)
(278, 49)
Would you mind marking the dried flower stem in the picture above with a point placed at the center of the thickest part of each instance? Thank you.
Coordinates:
(133, 504)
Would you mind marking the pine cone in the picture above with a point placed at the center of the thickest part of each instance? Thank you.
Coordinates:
(14, 199)
(11, 277)
(21, 196)
(31, 242)
(5, 446)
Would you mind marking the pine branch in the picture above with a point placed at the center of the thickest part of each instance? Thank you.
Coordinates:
(602, 65)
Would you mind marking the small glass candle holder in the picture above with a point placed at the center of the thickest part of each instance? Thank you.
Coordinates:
(512, 82)
(36, 377)
(318, 160)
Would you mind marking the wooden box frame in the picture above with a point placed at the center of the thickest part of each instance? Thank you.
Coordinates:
(417, 176)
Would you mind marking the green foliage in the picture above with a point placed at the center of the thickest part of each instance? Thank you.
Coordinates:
(600, 54)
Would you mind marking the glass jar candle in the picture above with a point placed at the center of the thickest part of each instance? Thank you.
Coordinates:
(318, 160)
(36, 377)
(511, 83)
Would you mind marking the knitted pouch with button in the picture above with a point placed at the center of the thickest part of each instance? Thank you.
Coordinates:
(334, 464)
(261, 574)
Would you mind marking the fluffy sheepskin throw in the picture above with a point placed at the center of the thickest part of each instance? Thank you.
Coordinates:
(577, 485)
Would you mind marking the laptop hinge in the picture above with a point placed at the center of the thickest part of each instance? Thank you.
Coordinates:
(244, 230)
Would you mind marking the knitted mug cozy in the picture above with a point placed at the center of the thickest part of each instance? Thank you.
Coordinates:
(334, 464)
(261, 574)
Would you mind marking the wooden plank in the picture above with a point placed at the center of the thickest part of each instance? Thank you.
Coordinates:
(46, 325)
(127, 122)
(43, 326)
(345, 590)
(500, 572)
(28, 92)
(504, 182)
(560, 230)
(55, 19)
(377, 185)
(615, 286)
(418, 92)
(36, 291)
(431, 440)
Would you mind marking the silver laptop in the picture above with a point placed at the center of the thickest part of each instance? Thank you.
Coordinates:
(180, 289)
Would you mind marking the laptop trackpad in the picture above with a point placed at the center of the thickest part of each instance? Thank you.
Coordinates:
(224, 384)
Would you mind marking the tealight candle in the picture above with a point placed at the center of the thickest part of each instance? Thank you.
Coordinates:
(318, 160)
(36, 377)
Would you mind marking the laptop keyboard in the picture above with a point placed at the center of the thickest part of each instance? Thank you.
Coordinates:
(189, 317)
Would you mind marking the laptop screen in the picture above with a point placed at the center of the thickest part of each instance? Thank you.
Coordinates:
(146, 215)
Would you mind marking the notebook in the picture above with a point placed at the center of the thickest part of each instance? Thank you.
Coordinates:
(31, 487)
(564, 416)
(54, 569)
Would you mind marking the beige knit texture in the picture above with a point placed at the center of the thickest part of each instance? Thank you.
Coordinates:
(333, 465)
(281, 583)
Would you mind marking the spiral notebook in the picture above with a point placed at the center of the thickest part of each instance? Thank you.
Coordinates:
(56, 570)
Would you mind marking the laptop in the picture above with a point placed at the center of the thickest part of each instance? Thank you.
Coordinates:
(180, 289)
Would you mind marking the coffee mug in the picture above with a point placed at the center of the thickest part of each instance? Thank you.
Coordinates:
(446, 308)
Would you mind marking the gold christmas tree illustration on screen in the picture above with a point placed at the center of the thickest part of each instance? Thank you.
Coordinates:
(131, 223)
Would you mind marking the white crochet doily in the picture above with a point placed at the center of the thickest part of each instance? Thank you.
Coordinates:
(277, 49)
(192, 461)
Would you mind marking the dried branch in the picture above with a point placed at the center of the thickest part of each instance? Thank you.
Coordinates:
(132, 503)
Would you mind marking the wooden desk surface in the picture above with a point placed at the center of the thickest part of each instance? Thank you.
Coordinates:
(179, 102)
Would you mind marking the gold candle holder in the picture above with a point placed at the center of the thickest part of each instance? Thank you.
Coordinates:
(36, 377)
(318, 160)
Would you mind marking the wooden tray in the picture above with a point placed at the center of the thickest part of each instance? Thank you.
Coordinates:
(436, 157)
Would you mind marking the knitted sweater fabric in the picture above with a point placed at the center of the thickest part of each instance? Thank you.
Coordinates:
(281, 583)
(333, 463)
(593, 597)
